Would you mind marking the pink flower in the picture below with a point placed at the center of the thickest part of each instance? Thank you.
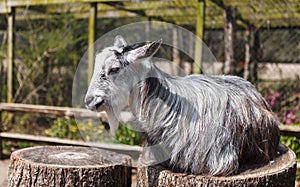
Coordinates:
(272, 102)
(277, 94)
(291, 115)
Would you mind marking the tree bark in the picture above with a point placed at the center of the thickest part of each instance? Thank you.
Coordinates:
(68, 166)
(280, 172)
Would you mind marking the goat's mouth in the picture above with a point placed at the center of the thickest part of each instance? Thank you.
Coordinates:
(95, 105)
(98, 106)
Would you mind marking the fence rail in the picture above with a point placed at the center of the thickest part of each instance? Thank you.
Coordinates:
(66, 112)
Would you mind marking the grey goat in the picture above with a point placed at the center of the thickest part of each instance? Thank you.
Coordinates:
(209, 124)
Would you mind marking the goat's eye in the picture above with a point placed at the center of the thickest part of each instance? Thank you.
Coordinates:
(102, 76)
(113, 71)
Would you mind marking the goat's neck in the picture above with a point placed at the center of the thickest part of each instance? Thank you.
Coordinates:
(154, 87)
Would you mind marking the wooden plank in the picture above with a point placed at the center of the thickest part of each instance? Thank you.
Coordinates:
(18, 3)
(51, 110)
(133, 151)
(154, 5)
(77, 15)
(265, 3)
(288, 130)
(145, 5)
(91, 39)
(56, 111)
(184, 12)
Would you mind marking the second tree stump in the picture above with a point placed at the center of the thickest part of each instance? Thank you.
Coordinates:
(281, 173)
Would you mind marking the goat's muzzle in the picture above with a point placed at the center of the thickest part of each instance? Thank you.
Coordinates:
(93, 102)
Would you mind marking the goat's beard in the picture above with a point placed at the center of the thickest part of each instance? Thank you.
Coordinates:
(112, 120)
(114, 109)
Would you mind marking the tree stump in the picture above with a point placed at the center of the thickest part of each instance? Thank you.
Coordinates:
(280, 172)
(68, 166)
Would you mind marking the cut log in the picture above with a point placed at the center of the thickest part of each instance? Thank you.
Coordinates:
(68, 166)
(280, 172)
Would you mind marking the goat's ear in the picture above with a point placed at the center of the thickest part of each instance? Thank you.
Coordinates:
(119, 42)
(144, 51)
(152, 48)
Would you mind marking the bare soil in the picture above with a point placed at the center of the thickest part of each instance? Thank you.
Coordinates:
(4, 172)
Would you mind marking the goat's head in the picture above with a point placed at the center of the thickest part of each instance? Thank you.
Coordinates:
(111, 81)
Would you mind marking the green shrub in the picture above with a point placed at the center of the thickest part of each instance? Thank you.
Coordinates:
(293, 143)
(92, 131)
(10, 146)
(63, 128)
(126, 135)
(76, 130)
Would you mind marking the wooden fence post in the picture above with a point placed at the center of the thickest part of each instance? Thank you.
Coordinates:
(91, 39)
(10, 68)
(253, 52)
(247, 39)
(256, 54)
(175, 51)
(200, 33)
(10, 53)
(229, 29)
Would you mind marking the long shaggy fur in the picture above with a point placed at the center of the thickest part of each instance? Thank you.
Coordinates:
(209, 124)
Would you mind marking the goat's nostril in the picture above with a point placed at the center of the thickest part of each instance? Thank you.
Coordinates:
(89, 100)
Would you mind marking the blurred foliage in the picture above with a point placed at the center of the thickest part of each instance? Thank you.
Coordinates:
(46, 58)
(24, 123)
(293, 143)
(63, 128)
(76, 130)
(91, 132)
(10, 146)
(284, 99)
(126, 135)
